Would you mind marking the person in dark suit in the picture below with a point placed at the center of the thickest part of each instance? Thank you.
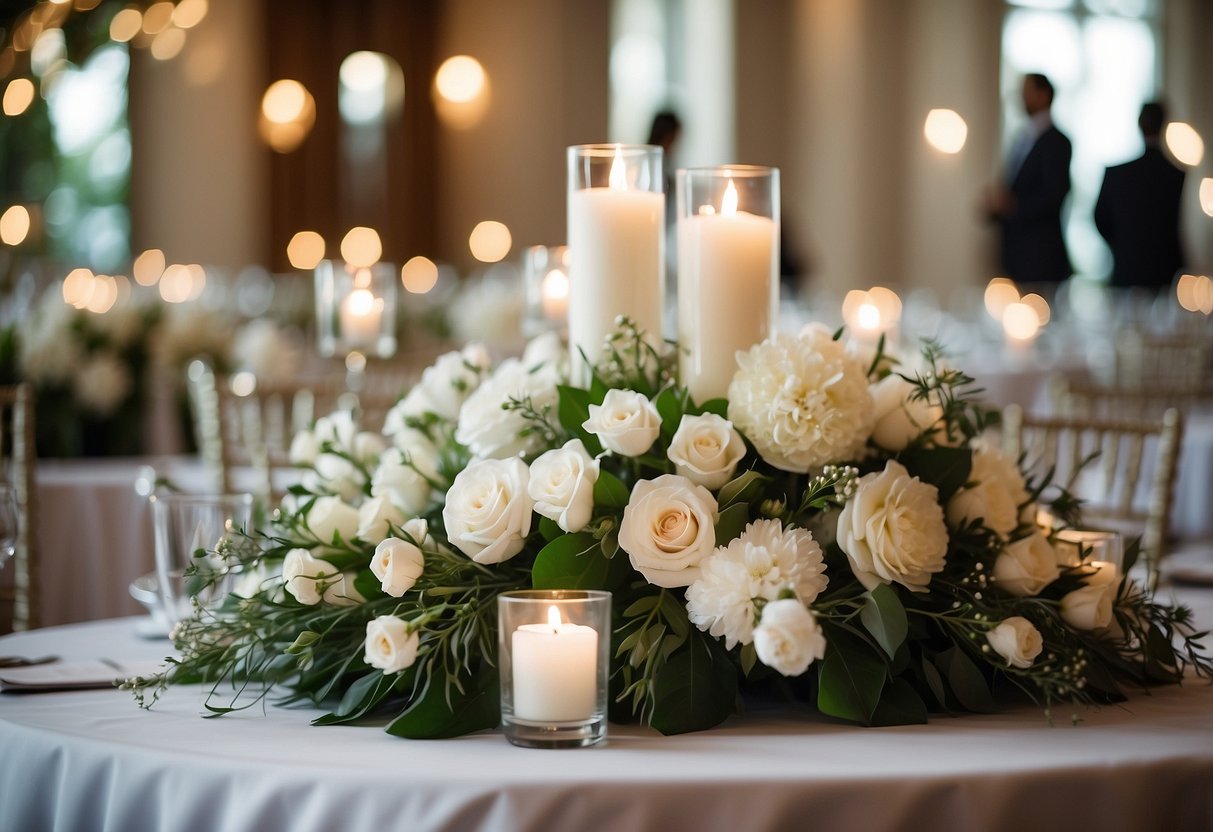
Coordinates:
(1028, 206)
(1138, 211)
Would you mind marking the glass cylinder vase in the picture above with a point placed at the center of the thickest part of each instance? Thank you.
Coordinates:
(1088, 545)
(553, 654)
(616, 238)
(355, 309)
(728, 270)
(545, 280)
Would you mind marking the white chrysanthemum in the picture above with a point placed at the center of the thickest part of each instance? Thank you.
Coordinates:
(102, 383)
(803, 401)
(761, 563)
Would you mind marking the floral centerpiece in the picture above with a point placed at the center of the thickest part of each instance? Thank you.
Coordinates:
(836, 532)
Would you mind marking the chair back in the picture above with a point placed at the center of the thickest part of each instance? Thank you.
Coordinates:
(19, 579)
(1129, 482)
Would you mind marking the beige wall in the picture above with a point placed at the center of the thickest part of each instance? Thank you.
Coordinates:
(1188, 72)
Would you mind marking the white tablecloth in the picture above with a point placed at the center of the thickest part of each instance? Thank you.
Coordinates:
(92, 760)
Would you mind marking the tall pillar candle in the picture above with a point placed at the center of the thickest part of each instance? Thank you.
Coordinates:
(616, 238)
(728, 270)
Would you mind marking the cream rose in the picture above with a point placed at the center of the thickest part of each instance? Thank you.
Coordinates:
(375, 517)
(995, 496)
(1017, 640)
(669, 526)
(488, 510)
(706, 449)
(405, 480)
(391, 644)
(788, 637)
(1090, 606)
(306, 576)
(399, 563)
(892, 529)
(562, 485)
(329, 516)
(900, 417)
(625, 423)
(1026, 566)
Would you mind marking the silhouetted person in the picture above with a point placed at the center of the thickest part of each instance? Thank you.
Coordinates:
(1028, 206)
(664, 132)
(1138, 211)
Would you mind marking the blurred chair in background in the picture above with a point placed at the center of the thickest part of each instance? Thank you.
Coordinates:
(1123, 488)
(19, 608)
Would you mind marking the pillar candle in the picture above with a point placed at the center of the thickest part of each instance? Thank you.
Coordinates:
(555, 670)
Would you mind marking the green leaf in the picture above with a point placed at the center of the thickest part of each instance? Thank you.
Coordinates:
(851, 678)
(720, 407)
(945, 468)
(731, 523)
(669, 408)
(572, 409)
(695, 689)
(609, 491)
(549, 529)
(302, 641)
(368, 585)
(642, 605)
(934, 681)
(749, 658)
(575, 561)
(966, 681)
(900, 704)
(885, 618)
(432, 717)
(741, 489)
(361, 697)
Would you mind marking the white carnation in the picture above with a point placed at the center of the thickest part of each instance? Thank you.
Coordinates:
(803, 401)
(763, 562)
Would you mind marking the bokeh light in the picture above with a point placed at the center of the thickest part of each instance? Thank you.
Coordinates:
(1039, 305)
(1019, 321)
(168, 44)
(78, 287)
(1195, 293)
(158, 17)
(361, 247)
(127, 23)
(419, 275)
(945, 131)
(18, 95)
(288, 113)
(490, 241)
(148, 267)
(305, 250)
(189, 13)
(460, 79)
(14, 225)
(1000, 293)
(1185, 143)
(1206, 195)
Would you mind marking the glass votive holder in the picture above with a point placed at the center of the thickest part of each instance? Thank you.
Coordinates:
(356, 309)
(1078, 546)
(728, 270)
(553, 653)
(545, 279)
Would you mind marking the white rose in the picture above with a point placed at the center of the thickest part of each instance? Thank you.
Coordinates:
(562, 485)
(1017, 640)
(398, 564)
(490, 431)
(330, 515)
(900, 417)
(788, 638)
(405, 480)
(443, 387)
(669, 526)
(340, 591)
(996, 495)
(367, 447)
(546, 349)
(626, 422)
(892, 529)
(488, 510)
(336, 475)
(391, 644)
(374, 517)
(338, 429)
(301, 571)
(1026, 566)
(706, 449)
(305, 447)
(1090, 606)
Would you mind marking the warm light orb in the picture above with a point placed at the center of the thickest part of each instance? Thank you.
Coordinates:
(361, 247)
(1185, 143)
(305, 250)
(867, 316)
(490, 241)
(1195, 293)
(363, 71)
(1039, 305)
(78, 287)
(104, 294)
(168, 44)
(1206, 195)
(243, 383)
(288, 113)
(176, 284)
(419, 275)
(148, 267)
(555, 286)
(14, 225)
(945, 131)
(18, 95)
(1019, 321)
(886, 302)
(158, 17)
(1000, 293)
(197, 280)
(125, 25)
(189, 13)
(460, 79)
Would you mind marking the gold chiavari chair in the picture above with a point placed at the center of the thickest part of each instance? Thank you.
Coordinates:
(1087, 399)
(1111, 483)
(19, 585)
(1179, 362)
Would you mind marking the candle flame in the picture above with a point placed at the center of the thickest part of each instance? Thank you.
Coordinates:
(728, 205)
(361, 303)
(554, 618)
(555, 285)
(619, 176)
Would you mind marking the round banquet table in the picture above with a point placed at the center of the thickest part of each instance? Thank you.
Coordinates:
(87, 760)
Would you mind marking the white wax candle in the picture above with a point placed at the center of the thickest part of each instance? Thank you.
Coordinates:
(361, 313)
(728, 273)
(616, 246)
(555, 672)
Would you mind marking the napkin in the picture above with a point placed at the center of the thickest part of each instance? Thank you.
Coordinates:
(100, 673)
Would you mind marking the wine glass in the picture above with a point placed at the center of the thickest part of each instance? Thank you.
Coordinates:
(8, 522)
